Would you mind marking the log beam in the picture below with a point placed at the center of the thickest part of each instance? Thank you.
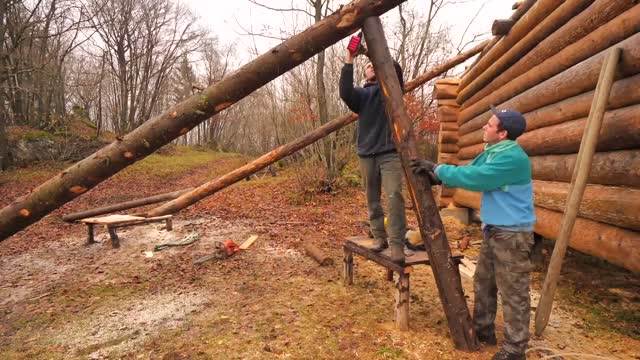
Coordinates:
(595, 16)
(444, 270)
(182, 117)
(549, 82)
(614, 244)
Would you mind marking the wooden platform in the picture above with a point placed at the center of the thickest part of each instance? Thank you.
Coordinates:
(115, 221)
(361, 245)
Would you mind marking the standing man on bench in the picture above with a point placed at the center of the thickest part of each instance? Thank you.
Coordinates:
(503, 174)
(379, 161)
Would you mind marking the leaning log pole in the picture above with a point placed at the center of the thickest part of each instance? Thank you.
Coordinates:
(182, 117)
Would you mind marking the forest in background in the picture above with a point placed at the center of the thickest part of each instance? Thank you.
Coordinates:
(116, 64)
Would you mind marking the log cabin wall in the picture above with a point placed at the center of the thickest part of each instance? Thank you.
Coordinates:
(547, 67)
(445, 92)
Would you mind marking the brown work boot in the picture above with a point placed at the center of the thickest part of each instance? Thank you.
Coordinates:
(396, 254)
(379, 245)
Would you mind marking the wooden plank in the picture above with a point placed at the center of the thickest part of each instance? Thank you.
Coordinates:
(111, 219)
(245, 245)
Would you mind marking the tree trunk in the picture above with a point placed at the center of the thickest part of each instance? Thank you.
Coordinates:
(616, 245)
(624, 92)
(621, 130)
(531, 18)
(431, 228)
(595, 16)
(519, 50)
(534, 92)
(608, 204)
(182, 117)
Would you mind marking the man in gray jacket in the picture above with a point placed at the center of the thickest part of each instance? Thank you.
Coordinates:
(379, 160)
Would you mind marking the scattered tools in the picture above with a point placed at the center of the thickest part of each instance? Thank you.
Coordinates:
(222, 250)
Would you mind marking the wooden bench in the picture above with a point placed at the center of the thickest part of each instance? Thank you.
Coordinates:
(361, 245)
(115, 221)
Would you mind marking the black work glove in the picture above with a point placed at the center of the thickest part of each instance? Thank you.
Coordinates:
(422, 167)
(433, 178)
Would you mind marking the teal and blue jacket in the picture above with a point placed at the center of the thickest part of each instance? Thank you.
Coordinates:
(503, 174)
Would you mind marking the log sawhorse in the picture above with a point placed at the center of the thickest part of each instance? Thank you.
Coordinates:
(361, 245)
(112, 222)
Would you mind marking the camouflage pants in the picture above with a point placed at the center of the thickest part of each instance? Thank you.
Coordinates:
(379, 172)
(504, 266)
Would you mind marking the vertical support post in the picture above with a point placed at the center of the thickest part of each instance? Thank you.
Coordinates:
(169, 224)
(431, 228)
(115, 241)
(578, 183)
(402, 301)
(90, 239)
(348, 267)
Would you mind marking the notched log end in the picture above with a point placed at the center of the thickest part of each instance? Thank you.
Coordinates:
(128, 155)
(24, 212)
(78, 189)
(222, 106)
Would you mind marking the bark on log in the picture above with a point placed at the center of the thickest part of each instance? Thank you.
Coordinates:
(447, 148)
(448, 102)
(625, 92)
(614, 244)
(596, 15)
(616, 168)
(316, 254)
(544, 88)
(125, 205)
(258, 164)
(444, 269)
(540, 10)
(620, 130)
(612, 205)
(182, 117)
(520, 49)
(501, 27)
(444, 158)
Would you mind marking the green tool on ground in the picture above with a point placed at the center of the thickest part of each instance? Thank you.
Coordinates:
(188, 240)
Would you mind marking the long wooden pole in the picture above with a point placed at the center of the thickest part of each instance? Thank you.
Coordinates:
(431, 228)
(213, 186)
(583, 166)
(182, 117)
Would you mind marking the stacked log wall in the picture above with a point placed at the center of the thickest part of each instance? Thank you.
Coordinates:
(445, 92)
(549, 75)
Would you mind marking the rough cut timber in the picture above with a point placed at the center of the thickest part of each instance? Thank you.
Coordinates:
(539, 10)
(444, 269)
(625, 92)
(595, 16)
(608, 204)
(576, 80)
(552, 22)
(614, 244)
(182, 117)
(620, 131)
(211, 187)
(616, 168)
(447, 114)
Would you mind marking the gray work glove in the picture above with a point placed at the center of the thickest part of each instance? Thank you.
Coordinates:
(425, 168)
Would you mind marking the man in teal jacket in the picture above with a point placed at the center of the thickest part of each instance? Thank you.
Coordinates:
(503, 174)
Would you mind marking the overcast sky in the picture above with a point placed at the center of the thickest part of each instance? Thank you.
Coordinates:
(223, 17)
